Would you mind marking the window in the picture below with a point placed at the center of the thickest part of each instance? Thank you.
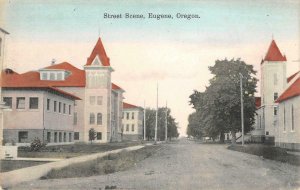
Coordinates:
(132, 115)
(275, 95)
(8, 101)
(292, 114)
(59, 76)
(99, 119)
(127, 127)
(59, 107)
(65, 137)
(52, 76)
(275, 79)
(99, 136)
(76, 135)
(127, 115)
(64, 108)
(283, 118)
(69, 109)
(33, 103)
(275, 110)
(99, 100)
(92, 118)
(132, 127)
(54, 106)
(44, 76)
(75, 118)
(23, 136)
(55, 136)
(70, 137)
(92, 100)
(20, 102)
(48, 104)
(60, 137)
(267, 132)
(48, 137)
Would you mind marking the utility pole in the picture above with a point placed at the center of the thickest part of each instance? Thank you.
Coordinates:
(144, 120)
(242, 107)
(155, 137)
(166, 128)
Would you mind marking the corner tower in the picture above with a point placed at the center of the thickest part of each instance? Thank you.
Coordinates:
(273, 83)
(98, 94)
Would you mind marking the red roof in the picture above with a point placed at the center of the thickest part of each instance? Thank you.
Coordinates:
(116, 87)
(257, 102)
(274, 53)
(292, 76)
(292, 91)
(32, 78)
(129, 106)
(100, 51)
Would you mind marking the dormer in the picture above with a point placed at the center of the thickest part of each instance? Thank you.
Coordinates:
(54, 74)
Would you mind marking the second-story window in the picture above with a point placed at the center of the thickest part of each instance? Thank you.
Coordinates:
(20, 102)
(8, 101)
(64, 108)
(59, 107)
(48, 104)
(99, 100)
(70, 110)
(127, 115)
(55, 106)
(275, 95)
(132, 115)
(99, 119)
(33, 103)
(75, 118)
(275, 110)
(92, 118)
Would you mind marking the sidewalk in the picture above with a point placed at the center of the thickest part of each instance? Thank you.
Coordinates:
(35, 172)
(38, 159)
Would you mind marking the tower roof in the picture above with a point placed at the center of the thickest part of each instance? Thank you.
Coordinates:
(100, 52)
(274, 53)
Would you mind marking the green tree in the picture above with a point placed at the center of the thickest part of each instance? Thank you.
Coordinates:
(150, 124)
(219, 107)
(92, 135)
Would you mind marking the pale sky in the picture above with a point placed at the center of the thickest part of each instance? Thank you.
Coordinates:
(175, 53)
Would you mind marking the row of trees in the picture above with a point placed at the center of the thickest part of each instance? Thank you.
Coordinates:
(218, 108)
(150, 124)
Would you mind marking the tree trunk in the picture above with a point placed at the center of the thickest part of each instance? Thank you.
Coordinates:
(233, 139)
(222, 137)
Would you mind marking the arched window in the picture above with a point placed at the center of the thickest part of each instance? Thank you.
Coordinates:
(92, 118)
(99, 119)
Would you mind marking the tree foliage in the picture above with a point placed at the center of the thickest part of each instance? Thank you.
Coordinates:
(92, 135)
(218, 108)
(150, 124)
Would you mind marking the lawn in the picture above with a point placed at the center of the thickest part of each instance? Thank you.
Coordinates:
(73, 150)
(105, 165)
(8, 165)
(268, 152)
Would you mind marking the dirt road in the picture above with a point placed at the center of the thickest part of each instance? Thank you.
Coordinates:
(189, 165)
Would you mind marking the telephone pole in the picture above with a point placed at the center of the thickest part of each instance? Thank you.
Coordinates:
(155, 137)
(144, 120)
(242, 107)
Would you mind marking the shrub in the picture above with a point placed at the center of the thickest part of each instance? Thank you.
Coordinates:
(36, 145)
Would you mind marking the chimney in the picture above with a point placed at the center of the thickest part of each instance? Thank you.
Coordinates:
(53, 61)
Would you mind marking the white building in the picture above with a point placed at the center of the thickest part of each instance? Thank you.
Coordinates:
(132, 122)
(288, 131)
(98, 102)
(3, 34)
(273, 83)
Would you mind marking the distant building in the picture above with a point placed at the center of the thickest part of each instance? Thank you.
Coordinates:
(132, 122)
(271, 116)
(98, 102)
